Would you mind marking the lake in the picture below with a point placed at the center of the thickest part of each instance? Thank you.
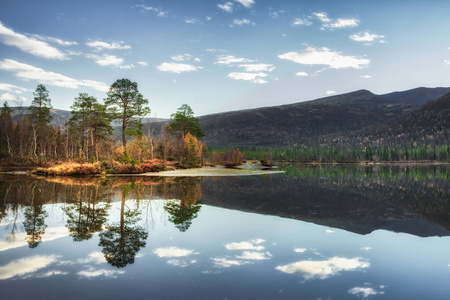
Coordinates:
(314, 232)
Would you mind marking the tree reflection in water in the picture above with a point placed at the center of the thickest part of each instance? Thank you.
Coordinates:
(183, 212)
(122, 241)
(86, 218)
(34, 222)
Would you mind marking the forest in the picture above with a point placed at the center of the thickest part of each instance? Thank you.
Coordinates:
(87, 138)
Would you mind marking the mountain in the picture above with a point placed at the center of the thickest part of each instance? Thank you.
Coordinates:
(294, 124)
(59, 116)
(428, 125)
(418, 96)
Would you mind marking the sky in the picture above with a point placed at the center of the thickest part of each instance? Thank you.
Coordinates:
(221, 55)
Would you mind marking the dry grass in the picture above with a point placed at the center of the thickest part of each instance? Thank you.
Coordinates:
(72, 168)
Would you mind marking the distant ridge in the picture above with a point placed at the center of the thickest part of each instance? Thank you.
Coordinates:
(418, 96)
(293, 124)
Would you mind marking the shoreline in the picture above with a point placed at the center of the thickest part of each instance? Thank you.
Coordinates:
(246, 169)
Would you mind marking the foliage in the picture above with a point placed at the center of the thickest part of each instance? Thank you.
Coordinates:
(89, 125)
(126, 105)
(40, 119)
(231, 157)
(74, 169)
(193, 149)
(184, 122)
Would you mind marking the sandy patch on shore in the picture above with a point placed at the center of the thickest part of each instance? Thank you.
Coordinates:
(247, 169)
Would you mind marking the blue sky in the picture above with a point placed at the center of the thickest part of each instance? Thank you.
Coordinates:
(219, 55)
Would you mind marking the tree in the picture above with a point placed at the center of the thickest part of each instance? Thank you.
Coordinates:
(193, 150)
(40, 117)
(6, 128)
(126, 104)
(90, 123)
(184, 122)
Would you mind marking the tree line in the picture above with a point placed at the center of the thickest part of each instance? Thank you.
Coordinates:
(88, 136)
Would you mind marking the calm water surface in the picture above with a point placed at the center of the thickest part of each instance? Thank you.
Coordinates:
(312, 233)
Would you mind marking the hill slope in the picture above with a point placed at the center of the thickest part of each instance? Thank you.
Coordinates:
(294, 124)
(428, 125)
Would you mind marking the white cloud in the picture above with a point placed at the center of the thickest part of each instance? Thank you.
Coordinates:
(241, 22)
(159, 11)
(181, 263)
(109, 60)
(251, 255)
(12, 88)
(257, 67)
(329, 93)
(91, 272)
(251, 245)
(253, 77)
(322, 17)
(227, 7)
(447, 62)
(25, 266)
(28, 72)
(300, 22)
(332, 24)
(366, 248)
(366, 76)
(55, 40)
(230, 59)
(99, 45)
(51, 233)
(246, 3)
(341, 23)
(366, 37)
(325, 56)
(191, 21)
(51, 273)
(176, 67)
(301, 74)
(94, 257)
(221, 262)
(8, 97)
(276, 14)
(300, 250)
(364, 292)
(323, 269)
(172, 252)
(184, 57)
(142, 63)
(29, 44)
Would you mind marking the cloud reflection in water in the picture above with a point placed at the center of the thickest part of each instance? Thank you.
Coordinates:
(325, 268)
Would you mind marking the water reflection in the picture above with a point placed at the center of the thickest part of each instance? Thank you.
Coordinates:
(184, 211)
(87, 216)
(214, 238)
(323, 269)
(122, 241)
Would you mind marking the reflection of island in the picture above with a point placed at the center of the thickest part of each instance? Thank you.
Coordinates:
(122, 241)
(88, 216)
(184, 211)
(358, 199)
